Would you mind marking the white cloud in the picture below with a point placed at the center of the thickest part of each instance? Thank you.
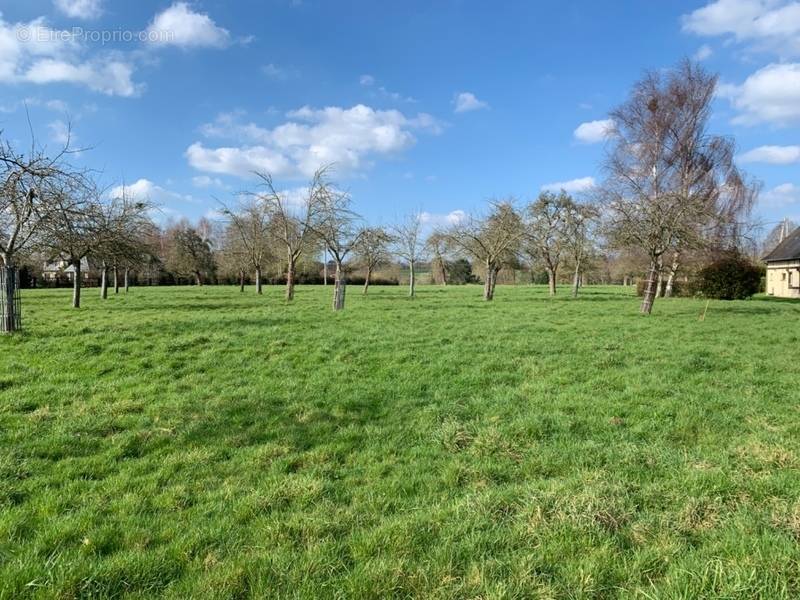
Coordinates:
(277, 73)
(592, 132)
(35, 53)
(466, 101)
(180, 26)
(572, 186)
(146, 190)
(442, 220)
(775, 155)
(703, 52)
(110, 77)
(57, 105)
(346, 137)
(780, 196)
(396, 96)
(204, 181)
(767, 24)
(381, 91)
(60, 132)
(80, 9)
(771, 94)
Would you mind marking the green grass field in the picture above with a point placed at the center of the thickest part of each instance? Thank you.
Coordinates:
(201, 443)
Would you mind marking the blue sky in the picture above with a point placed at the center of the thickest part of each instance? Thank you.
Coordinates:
(432, 106)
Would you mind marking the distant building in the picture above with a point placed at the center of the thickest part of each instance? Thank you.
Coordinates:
(60, 268)
(783, 267)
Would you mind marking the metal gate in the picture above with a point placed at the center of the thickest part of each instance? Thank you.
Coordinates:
(10, 303)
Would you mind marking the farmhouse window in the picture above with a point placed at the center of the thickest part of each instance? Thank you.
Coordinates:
(795, 285)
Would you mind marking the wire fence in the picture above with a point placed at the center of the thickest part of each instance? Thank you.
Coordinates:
(10, 301)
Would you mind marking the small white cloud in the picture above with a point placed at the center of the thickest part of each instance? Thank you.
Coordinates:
(466, 101)
(774, 155)
(180, 26)
(60, 132)
(80, 9)
(780, 196)
(57, 105)
(204, 181)
(381, 91)
(146, 190)
(572, 186)
(592, 132)
(442, 220)
(396, 96)
(277, 73)
(113, 78)
(703, 52)
(272, 71)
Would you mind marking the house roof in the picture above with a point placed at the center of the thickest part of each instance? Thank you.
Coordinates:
(788, 249)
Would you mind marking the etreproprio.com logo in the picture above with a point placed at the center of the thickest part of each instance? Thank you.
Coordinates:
(97, 36)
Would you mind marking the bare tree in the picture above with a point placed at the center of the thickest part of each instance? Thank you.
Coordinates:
(408, 244)
(189, 253)
(338, 230)
(75, 229)
(492, 240)
(28, 186)
(546, 236)
(671, 185)
(371, 250)
(121, 223)
(235, 256)
(294, 219)
(252, 222)
(436, 246)
(578, 225)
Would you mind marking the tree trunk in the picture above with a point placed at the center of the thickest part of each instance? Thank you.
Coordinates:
(290, 269)
(127, 279)
(412, 282)
(576, 281)
(76, 284)
(339, 285)
(488, 284)
(241, 280)
(104, 282)
(116, 279)
(10, 318)
(551, 281)
(649, 289)
(366, 281)
(660, 283)
(197, 279)
(258, 280)
(625, 281)
(671, 278)
(443, 270)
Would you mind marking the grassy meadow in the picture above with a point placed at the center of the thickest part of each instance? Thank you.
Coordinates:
(202, 443)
